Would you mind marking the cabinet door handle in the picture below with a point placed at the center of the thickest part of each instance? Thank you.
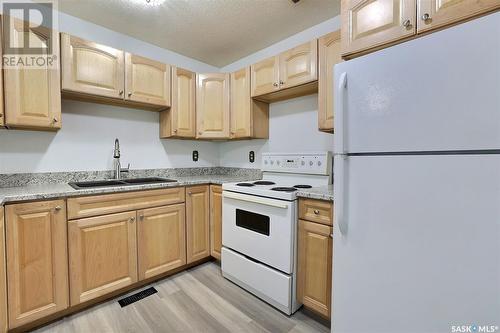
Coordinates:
(131, 220)
(190, 193)
(316, 212)
(121, 92)
(282, 83)
(426, 17)
(55, 120)
(275, 84)
(129, 94)
(407, 24)
(57, 208)
(141, 218)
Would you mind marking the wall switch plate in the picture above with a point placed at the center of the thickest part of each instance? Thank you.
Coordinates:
(195, 155)
(251, 156)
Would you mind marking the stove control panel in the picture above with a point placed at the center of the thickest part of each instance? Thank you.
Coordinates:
(307, 163)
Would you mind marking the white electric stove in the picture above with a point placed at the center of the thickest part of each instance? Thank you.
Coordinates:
(259, 225)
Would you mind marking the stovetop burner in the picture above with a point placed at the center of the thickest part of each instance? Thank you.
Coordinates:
(264, 182)
(245, 184)
(284, 189)
(303, 186)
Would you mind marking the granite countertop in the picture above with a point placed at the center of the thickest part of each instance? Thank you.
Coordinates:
(51, 190)
(319, 193)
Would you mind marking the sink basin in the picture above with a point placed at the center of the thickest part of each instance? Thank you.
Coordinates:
(122, 182)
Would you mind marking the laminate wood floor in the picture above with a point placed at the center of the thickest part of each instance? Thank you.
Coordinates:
(196, 300)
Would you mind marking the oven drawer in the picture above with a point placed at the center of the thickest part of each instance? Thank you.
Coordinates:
(271, 285)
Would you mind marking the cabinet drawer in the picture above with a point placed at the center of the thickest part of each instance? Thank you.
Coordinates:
(121, 202)
(316, 211)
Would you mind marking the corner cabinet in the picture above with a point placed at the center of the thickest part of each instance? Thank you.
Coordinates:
(212, 106)
(180, 120)
(329, 55)
(32, 96)
(249, 118)
(161, 240)
(215, 221)
(197, 222)
(102, 255)
(37, 261)
(265, 76)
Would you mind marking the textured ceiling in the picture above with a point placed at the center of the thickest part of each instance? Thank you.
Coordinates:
(217, 32)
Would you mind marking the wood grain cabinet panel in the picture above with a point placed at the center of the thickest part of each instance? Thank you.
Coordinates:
(92, 69)
(432, 14)
(32, 96)
(197, 222)
(318, 211)
(102, 255)
(249, 118)
(180, 120)
(299, 65)
(212, 106)
(215, 221)
(147, 81)
(37, 261)
(161, 240)
(329, 55)
(3, 280)
(368, 24)
(265, 76)
(314, 279)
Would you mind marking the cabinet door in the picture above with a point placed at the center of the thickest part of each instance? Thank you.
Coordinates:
(37, 260)
(147, 81)
(161, 240)
(3, 281)
(241, 110)
(265, 76)
(102, 255)
(314, 281)
(212, 106)
(299, 65)
(90, 68)
(32, 96)
(180, 120)
(215, 220)
(435, 13)
(329, 55)
(370, 23)
(197, 223)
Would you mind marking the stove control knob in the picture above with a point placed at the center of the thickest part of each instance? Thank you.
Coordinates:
(311, 163)
(272, 162)
(303, 163)
(319, 163)
(265, 162)
(278, 162)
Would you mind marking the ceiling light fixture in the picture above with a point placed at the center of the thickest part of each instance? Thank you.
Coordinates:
(148, 3)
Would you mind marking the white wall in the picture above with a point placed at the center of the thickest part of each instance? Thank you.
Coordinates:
(86, 139)
(293, 124)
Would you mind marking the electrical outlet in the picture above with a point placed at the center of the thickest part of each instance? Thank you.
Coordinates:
(195, 155)
(251, 156)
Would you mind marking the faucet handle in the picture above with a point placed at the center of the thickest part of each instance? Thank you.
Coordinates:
(125, 169)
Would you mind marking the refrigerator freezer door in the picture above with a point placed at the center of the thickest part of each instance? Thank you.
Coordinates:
(421, 249)
(437, 92)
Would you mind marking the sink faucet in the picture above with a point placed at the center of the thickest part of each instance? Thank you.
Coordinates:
(117, 165)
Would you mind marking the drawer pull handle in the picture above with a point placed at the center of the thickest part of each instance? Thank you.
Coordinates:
(57, 208)
(316, 212)
(131, 220)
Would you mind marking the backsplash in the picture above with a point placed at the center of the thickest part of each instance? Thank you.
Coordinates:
(22, 179)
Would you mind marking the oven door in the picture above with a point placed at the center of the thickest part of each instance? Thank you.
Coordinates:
(260, 228)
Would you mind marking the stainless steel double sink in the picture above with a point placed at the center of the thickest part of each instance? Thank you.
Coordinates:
(119, 182)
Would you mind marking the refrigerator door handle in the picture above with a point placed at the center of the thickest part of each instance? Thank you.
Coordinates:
(340, 193)
(339, 114)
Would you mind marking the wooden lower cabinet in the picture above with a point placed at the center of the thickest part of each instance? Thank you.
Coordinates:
(3, 281)
(102, 255)
(314, 281)
(215, 220)
(161, 240)
(197, 223)
(37, 261)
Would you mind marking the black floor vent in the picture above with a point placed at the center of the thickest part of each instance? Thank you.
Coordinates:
(137, 297)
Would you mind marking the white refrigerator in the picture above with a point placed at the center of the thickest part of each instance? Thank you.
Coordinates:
(417, 185)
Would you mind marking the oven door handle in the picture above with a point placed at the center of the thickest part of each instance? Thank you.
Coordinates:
(253, 199)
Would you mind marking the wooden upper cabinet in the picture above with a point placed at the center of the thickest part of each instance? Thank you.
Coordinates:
(90, 68)
(329, 55)
(102, 255)
(161, 240)
(180, 120)
(212, 106)
(147, 81)
(3, 280)
(368, 24)
(197, 222)
(37, 261)
(32, 96)
(436, 13)
(2, 115)
(265, 76)
(299, 65)
(215, 221)
(314, 273)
